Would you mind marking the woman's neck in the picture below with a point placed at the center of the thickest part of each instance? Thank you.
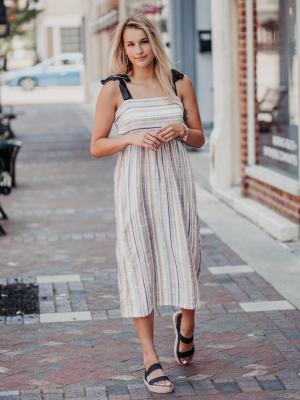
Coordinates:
(143, 74)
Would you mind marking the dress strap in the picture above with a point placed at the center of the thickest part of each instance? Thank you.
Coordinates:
(176, 75)
(123, 88)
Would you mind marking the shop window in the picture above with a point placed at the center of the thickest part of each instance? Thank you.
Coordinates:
(277, 86)
(70, 40)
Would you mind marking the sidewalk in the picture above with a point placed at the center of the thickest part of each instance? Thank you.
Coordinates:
(61, 235)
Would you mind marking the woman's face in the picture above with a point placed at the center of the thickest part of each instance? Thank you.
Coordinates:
(137, 47)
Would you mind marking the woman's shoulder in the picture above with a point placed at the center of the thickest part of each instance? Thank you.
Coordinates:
(176, 75)
(182, 80)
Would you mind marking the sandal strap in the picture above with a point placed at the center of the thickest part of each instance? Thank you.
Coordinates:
(152, 368)
(158, 379)
(184, 354)
(182, 338)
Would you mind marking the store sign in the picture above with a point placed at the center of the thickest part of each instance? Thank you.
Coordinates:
(278, 152)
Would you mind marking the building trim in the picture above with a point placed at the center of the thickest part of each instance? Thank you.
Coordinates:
(298, 54)
(105, 21)
(250, 83)
(274, 179)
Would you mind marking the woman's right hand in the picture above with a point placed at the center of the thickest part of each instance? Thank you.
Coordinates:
(149, 140)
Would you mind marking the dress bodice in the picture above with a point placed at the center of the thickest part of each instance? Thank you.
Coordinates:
(140, 114)
(150, 113)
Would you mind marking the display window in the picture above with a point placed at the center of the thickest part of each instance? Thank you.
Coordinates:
(277, 75)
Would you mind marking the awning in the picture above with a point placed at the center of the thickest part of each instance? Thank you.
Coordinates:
(105, 21)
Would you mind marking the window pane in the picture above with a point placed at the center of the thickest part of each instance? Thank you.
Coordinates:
(277, 86)
(70, 40)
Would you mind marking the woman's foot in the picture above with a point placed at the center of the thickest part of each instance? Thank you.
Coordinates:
(188, 333)
(184, 345)
(156, 374)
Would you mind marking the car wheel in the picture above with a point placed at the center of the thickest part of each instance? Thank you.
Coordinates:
(27, 83)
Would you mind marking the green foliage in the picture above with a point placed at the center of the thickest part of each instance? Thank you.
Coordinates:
(18, 16)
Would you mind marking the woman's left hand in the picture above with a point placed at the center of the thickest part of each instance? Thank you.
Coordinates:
(171, 131)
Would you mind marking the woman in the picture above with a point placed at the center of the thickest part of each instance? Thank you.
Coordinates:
(158, 241)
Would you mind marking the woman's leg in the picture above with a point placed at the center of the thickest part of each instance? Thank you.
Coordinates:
(187, 330)
(144, 327)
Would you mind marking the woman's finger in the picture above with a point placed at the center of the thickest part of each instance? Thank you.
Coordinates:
(164, 127)
(149, 145)
(166, 132)
(155, 140)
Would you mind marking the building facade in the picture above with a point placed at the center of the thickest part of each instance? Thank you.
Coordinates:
(254, 146)
(180, 23)
(59, 28)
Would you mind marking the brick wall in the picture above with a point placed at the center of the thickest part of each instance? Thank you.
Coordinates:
(242, 42)
(281, 202)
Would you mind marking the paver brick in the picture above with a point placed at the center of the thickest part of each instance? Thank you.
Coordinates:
(101, 358)
(271, 385)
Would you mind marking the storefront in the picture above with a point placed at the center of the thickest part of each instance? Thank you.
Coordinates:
(261, 152)
(272, 171)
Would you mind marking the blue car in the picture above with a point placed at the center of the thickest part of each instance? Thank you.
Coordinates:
(62, 70)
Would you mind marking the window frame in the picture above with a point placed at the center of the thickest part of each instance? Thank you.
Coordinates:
(256, 171)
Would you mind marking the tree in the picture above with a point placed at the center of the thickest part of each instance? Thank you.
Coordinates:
(19, 12)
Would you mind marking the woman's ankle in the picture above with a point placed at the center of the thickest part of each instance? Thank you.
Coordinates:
(149, 360)
(187, 331)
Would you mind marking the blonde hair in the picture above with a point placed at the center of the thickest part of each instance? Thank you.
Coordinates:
(162, 63)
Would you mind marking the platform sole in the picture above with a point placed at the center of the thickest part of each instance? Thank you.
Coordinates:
(159, 389)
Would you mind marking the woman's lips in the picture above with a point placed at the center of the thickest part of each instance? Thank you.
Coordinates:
(141, 58)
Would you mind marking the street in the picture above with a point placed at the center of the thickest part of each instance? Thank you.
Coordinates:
(61, 234)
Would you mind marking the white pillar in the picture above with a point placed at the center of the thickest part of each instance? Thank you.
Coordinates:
(250, 84)
(56, 40)
(122, 10)
(224, 139)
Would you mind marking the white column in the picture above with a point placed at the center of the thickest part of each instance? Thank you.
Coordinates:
(298, 56)
(122, 10)
(250, 83)
(224, 139)
(56, 40)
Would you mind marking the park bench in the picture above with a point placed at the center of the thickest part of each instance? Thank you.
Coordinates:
(8, 153)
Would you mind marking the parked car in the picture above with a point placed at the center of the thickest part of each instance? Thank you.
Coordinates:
(62, 70)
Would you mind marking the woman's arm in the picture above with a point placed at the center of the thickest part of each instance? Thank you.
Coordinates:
(107, 103)
(169, 132)
(187, 94)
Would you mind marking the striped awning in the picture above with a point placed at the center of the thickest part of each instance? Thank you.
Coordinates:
(105, 21)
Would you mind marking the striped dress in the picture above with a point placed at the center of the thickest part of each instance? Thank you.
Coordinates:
(158, 244)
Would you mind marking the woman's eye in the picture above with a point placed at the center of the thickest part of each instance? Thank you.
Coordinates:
(145, 41)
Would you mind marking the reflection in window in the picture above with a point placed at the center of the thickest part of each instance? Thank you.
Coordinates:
(277, 86)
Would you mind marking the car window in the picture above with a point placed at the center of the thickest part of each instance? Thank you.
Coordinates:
(66, 61)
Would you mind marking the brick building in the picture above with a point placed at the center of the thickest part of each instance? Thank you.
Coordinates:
(254, 145)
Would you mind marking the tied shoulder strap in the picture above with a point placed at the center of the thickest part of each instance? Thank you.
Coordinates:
(123, 88)
(176, 75)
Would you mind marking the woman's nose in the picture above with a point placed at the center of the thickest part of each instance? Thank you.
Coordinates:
(139, 50)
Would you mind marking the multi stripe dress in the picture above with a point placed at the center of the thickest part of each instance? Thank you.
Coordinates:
(158, 244)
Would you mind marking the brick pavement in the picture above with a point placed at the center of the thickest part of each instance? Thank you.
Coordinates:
(62, 223)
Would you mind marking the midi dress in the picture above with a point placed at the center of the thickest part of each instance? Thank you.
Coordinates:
(158, 244)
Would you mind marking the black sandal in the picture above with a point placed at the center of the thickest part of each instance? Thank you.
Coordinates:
(157, 388)
(178, 354)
